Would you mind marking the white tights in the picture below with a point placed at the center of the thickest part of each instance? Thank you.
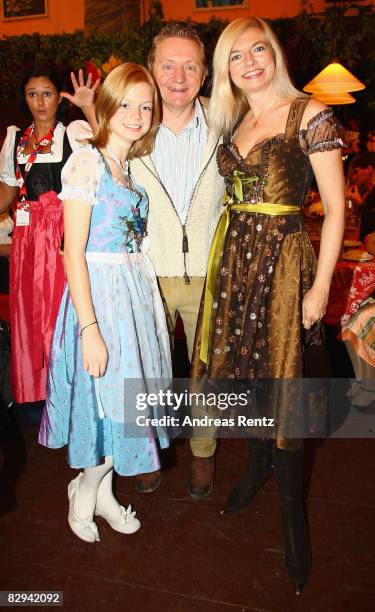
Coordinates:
(95, 489)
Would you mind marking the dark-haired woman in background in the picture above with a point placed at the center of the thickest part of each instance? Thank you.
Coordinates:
(30, 169)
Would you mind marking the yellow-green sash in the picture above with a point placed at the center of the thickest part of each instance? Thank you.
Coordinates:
(267, 208)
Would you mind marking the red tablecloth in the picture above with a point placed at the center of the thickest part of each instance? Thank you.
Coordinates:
(352, 283)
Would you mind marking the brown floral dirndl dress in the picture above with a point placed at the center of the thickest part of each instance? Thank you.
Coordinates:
(267, 262)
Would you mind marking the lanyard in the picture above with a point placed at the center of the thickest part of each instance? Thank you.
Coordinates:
(46, 140)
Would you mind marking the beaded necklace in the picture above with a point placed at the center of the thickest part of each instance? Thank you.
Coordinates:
(39, 145)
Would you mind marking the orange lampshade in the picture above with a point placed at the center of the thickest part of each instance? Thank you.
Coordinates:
(334, 79)
(335, 98)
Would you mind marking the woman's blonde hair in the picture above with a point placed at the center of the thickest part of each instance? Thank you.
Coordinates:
(228, 102)
(110, 97)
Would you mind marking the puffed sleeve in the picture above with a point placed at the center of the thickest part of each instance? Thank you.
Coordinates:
(7, 174)
(323, 133)
(81, 175)
(78, 131)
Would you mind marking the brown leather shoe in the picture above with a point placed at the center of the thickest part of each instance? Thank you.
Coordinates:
(201, 477)
(147, 483)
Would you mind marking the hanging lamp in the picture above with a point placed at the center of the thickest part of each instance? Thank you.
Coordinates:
(335, 98)
(334, 79)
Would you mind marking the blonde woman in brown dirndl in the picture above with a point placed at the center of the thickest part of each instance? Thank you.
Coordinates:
(264, 290)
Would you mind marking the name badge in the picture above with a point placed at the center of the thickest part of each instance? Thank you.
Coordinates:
(22, 218)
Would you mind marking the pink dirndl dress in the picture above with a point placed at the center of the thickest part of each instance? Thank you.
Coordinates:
(37, 277)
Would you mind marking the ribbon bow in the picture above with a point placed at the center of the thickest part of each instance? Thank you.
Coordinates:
(239, 181)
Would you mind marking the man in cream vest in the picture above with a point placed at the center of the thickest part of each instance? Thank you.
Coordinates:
(185, 194)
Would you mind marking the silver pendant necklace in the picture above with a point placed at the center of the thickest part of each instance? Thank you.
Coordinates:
(124, 170)
(128, 183)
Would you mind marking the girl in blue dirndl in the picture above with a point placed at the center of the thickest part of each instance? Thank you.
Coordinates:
(111, 326)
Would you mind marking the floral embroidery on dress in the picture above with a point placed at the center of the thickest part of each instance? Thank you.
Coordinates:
(133, 230)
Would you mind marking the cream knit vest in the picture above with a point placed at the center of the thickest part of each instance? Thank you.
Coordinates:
(164, 227)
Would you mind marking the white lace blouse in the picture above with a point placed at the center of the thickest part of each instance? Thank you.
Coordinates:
(7, 173)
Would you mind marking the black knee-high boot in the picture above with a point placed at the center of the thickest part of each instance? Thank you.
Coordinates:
(288, 466)
(258, 471)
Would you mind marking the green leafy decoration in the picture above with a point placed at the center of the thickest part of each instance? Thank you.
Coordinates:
(308, 40)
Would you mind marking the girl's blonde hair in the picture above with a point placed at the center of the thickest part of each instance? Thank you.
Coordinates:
(228, 102)
(110, 97)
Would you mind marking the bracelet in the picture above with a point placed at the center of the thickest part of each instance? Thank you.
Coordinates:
(86, 326)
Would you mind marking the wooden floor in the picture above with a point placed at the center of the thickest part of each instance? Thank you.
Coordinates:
(187, 557)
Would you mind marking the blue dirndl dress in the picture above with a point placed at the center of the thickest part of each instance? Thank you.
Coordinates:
(95, 417)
